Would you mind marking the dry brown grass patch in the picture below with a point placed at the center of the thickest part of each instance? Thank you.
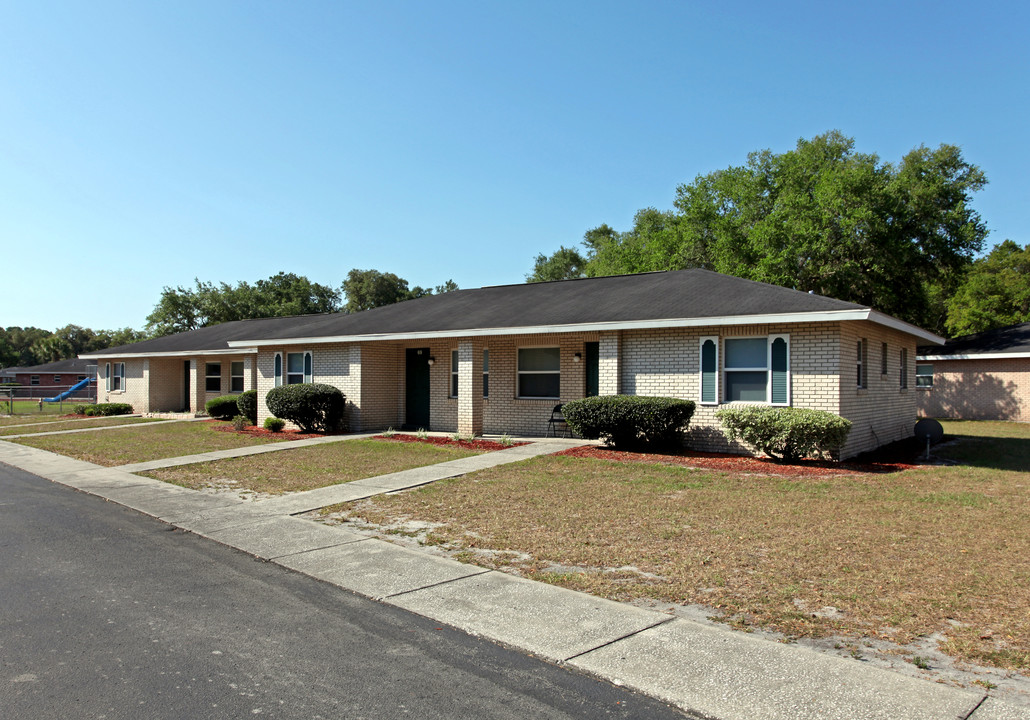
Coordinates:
(308, 468)
(887, 556)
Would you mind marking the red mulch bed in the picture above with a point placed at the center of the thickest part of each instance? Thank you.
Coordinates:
(258, 431)
(738, 463)
(477, 444)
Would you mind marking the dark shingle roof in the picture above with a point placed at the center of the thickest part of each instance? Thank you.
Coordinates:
(71, 365)
(1011, 339)
(681, 294)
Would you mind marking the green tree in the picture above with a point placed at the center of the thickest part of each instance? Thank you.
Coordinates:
(564, 264)
(51, 349)
(20, 342)
(821, 217)
(995, 292)
(180, 309)
(367, 289)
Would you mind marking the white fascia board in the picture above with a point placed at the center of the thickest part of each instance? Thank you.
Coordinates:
(974, 356)
(828, 316)
(247, 349)
(893, 322)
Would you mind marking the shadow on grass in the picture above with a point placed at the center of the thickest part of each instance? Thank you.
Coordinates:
(994, 453)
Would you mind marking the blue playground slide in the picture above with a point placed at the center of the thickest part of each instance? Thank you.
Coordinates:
(69, 391)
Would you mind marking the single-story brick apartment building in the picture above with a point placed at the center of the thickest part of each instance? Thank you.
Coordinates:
(985, 376)
(497, 359)
(50, 379)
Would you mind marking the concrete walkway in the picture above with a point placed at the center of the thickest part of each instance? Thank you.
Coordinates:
(707, 671)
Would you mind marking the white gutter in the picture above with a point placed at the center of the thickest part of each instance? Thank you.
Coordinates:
(248, 349)
(826, 316)
(975, 356)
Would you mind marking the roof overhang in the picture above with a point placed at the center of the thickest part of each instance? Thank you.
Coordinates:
(776, 318)
(975, 356)
(247, 349)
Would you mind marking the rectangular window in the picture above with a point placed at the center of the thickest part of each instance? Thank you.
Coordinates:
(34, 380)
(81, 378)
(709, 370)
(924, 376)
(861, 365)
(117, 377)
(539, 373)
(277, 370)
(486, 373)
(236, 377)
(904, 367)
(454, 374)
(883, 359)
(298, 368)
(746, 369)
(57, 379)
(756, 370)
(213, 377)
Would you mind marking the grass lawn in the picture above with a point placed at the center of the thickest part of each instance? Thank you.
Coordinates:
(886, 556)
(139, 443)
(27, 411)
(58, 424)
(310, 467)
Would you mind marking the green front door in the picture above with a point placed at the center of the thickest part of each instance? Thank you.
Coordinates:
(416, 388)
(593, 355)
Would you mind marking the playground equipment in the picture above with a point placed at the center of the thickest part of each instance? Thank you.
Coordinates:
(67, 393)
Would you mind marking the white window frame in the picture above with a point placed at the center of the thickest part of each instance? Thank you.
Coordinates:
(452, 388)
(58, 379)
(701, 373)
(233, 377)
(919, 376)
(33, 379)
(208, 377)
(114, 377)
(768, 370)
(904, 369)
(486, 374)
(519, 373)
(862, 364)
(307, 368)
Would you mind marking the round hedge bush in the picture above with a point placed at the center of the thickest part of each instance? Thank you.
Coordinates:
(222, 407)
(314, 407)
(247, 405)
(629, 420)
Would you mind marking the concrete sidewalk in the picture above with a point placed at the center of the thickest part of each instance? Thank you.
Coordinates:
(707, 671)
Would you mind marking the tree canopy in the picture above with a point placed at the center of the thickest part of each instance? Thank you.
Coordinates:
(367, 289)
(821, 217)
(180, 309)
(995, 292)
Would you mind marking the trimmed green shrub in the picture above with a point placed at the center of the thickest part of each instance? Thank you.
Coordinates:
(314, 407)
(106, 409)
(222, 407)
(273, 424)
(80, 409)
(247, 405)
(629, 420)
(786, 433)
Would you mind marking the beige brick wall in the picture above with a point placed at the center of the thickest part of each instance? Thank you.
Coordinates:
(978, 390)
(882, 412)
(667, 363)
(136, 381)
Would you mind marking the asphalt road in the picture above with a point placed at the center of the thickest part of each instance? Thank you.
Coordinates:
(106, 613)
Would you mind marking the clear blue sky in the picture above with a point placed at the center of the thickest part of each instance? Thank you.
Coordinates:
(143, 144)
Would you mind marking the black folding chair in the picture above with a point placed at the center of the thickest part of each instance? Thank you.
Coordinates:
(556, 419)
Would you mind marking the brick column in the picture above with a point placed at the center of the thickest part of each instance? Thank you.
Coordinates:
(609, 364)
(470, 388)
(197, 391)
(147, 390)
(249, 375)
